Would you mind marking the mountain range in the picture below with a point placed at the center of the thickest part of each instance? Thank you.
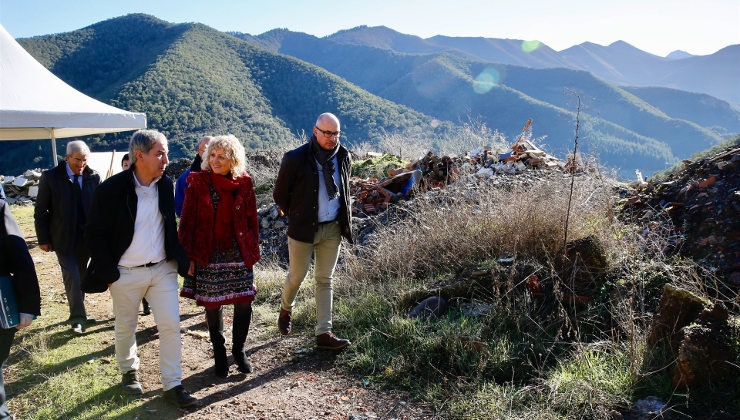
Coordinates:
(267, 89)
(619, 62)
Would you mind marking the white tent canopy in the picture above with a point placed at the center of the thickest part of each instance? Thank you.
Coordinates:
(35, 104)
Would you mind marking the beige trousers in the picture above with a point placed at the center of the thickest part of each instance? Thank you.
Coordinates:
(158, 284)
(325, 248)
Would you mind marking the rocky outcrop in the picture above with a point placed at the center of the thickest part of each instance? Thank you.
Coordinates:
(703, 204)
(705, 353)
(698, 332)
(677, 309)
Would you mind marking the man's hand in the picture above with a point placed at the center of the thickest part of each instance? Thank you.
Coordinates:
(45, 247)
(26, 320)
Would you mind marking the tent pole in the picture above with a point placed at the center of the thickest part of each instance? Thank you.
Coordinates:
(54, 147)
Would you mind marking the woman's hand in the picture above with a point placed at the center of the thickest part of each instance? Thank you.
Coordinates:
(191, 270)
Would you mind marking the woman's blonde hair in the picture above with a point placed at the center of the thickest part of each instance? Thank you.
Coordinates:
(234, 152)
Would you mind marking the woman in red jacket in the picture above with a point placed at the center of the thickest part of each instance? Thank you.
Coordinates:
(219, 232)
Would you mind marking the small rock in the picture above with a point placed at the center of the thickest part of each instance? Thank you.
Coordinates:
(431, 307)
(474, 309)
(33, 191)
(265, 223)
(647, 408)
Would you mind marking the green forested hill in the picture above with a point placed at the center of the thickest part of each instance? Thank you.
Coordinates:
(192, 80)
(699, 108)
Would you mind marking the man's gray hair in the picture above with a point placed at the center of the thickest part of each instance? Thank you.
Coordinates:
(78, 146)
(204, 139)
(143, 140)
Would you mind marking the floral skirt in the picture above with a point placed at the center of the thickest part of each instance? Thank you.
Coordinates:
(224, 281)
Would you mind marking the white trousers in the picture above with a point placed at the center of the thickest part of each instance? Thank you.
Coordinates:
(158, 284)
(325, 250)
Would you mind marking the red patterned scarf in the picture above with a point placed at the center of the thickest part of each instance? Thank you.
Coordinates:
(224, 223)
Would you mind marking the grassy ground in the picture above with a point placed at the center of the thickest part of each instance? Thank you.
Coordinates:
(521, 356)
(54, 374)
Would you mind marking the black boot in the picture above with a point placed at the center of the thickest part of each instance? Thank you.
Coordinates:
(242, 319)
(215, 322)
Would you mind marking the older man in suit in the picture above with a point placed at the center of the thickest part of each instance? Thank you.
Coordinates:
(62, 205)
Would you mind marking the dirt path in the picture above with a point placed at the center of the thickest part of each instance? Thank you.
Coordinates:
(291, 379)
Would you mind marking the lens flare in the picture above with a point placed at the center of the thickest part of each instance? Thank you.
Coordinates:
(486, 80)
(529, 46)
(434, 123)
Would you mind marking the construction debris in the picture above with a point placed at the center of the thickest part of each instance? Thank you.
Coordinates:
(22, 189)
(373, 196)
(702, 202)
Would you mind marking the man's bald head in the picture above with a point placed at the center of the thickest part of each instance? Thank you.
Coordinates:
(327, 131)
(327, 117)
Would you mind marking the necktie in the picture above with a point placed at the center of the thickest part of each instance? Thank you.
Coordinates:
(77, 191)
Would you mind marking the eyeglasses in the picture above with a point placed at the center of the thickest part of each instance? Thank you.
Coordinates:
(330, 133)
(78, 160)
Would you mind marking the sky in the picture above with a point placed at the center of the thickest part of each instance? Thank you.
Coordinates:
(659, 27)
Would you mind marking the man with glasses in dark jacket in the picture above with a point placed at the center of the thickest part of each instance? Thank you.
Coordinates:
(312, 188)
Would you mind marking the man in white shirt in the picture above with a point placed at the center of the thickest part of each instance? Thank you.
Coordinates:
(132, 235)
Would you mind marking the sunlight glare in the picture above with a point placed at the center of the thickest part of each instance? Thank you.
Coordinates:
(530, 46)
(486, 80)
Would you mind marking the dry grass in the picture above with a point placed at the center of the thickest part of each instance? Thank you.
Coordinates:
(473, 222)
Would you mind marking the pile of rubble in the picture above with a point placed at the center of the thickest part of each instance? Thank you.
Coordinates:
(273, 232)
(703, 204)
(21, 189)
(522, 155)
(373, 196)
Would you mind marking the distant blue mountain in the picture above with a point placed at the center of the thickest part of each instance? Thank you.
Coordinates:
(619, 62)
(678, 55)
(628, 130)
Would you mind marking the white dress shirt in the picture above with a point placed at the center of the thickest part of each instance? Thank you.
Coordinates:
(147, 246)
(328, 209)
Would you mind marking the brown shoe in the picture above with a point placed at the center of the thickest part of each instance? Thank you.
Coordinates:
(284, 324)
(329, 341)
